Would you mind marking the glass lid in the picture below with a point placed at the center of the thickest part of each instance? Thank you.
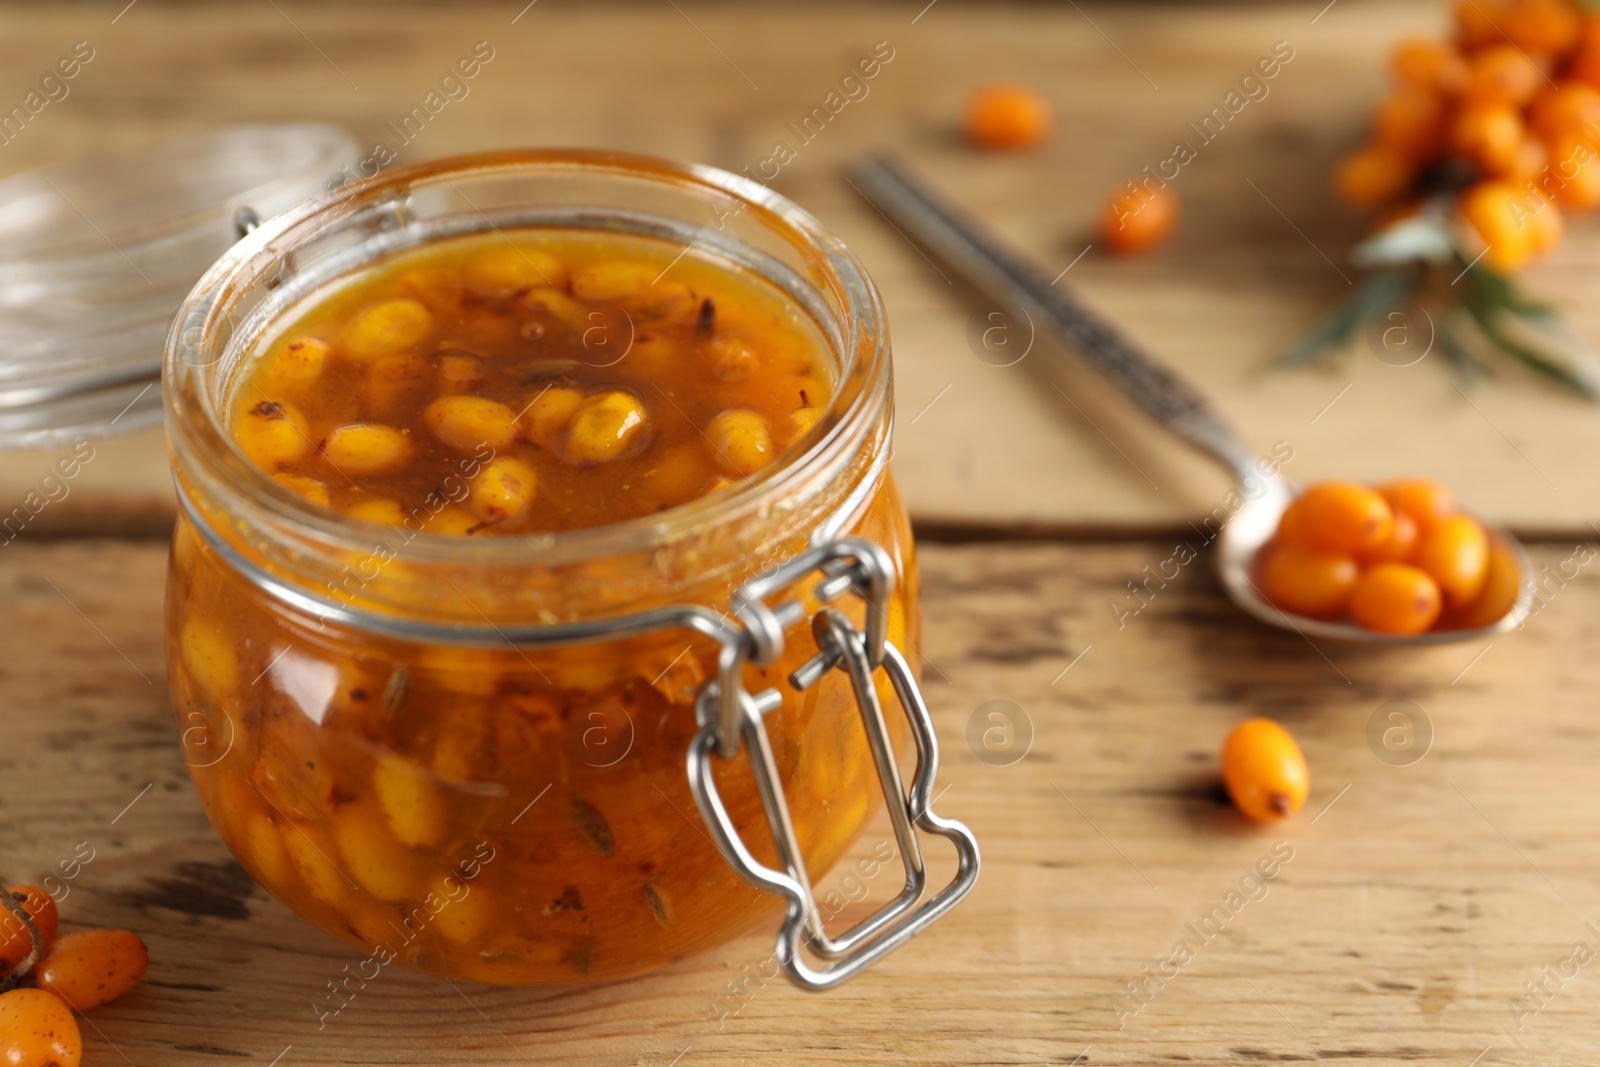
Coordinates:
(96, 254)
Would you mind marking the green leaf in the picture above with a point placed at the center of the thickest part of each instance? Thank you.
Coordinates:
(1573, 353)
(1378, 291)
(1500, 290)
(1331, 332)
(1565, 368)
(1468, 367)
(1418, 238)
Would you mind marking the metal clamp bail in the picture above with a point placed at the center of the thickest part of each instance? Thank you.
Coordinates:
(730, 716)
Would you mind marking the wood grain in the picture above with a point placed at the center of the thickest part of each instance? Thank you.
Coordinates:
(1261, 253)
(1417, 902)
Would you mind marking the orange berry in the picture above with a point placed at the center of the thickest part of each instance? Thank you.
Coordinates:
(1498, 213)
(1398, 548)
(1501, 587)
(1589, 29)
(1543, 27)
(1563, 110)
(1428, 64)
(1410, 121)
(1545, 228)
(1133, 221)
(1343, 517)
(15, 944)
(1304, 581)
(1477, 22)
(1264, 770)
(1454, 552)
(1500, 74)
(1585, 64)
(1425, 501)
(1291, 526)
(1395, 598)
(1528, 164)
(1490, 135)
(93, 967)
(1372, 174)
(1007, 116)
(1585, 67)
(1574, 173)
(37, 1030)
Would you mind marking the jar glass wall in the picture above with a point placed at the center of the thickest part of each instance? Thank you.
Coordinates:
(440, 798)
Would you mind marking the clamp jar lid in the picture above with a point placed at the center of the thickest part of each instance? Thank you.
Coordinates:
(97, 253)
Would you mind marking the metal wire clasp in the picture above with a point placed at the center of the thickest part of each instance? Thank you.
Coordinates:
(731, 717)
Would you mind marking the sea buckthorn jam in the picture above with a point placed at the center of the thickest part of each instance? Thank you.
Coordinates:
(432, 439)
(531, 381)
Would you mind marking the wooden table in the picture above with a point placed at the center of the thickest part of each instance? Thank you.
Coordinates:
(1261, 255)
(1413, 898)
(1417, 900)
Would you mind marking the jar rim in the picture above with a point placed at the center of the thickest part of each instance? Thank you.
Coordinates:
(205, 452)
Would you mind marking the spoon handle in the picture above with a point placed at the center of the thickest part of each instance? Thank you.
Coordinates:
(1001, 274)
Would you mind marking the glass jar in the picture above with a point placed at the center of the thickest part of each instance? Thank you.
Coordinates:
(469, 755)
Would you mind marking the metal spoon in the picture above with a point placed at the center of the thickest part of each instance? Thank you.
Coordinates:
(1003, 275)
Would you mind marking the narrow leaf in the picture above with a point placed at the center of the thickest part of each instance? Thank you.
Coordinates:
(1378, 291)
(1500, 290)
(1453, 344)
(1487, 316)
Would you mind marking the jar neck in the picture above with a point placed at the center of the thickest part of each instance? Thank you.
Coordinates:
(696, 553)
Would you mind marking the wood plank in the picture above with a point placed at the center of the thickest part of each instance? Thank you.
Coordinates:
(1418, 900)
(1260, 256)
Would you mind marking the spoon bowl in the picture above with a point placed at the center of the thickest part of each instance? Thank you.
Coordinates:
(1003, 275)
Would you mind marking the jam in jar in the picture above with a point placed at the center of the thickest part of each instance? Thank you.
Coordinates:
(479, 464)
